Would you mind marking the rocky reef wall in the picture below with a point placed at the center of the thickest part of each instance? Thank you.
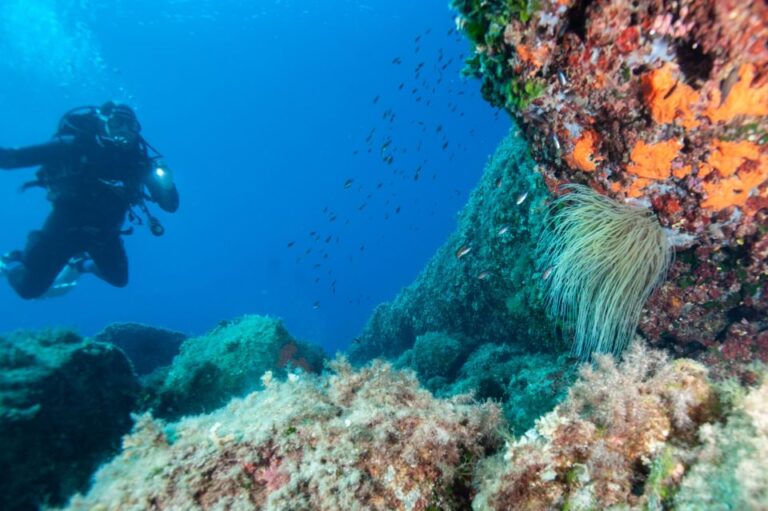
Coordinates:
(481, 284)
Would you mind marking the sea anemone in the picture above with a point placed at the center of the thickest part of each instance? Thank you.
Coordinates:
(601, 260)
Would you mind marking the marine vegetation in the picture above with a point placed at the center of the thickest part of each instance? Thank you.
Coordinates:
(617, 442)
(644, 433)
(601, 259)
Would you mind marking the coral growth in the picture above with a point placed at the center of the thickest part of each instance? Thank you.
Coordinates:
(583, 155)
(602, 259)
(669, 100)
(370, 439)
(646, 433)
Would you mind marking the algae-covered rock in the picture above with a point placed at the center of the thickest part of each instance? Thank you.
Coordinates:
(528, 384)
(482, 283)
(147, 347)
(349, 440)
(229, 361)
(730, 471)
(436, 358)
(436, 354)
(481, 288)
(64, 404)
(618, 441)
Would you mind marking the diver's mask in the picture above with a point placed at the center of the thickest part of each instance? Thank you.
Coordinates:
(120, 124)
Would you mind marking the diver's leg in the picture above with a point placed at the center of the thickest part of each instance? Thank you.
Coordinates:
(46, 253)
(110, 262)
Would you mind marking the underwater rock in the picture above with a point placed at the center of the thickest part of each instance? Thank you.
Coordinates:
(147, 347)
(528, 385)
(229, 362)
(65, 403)
(481, 283)
(437, 355)
(660, 104)
(368, 439)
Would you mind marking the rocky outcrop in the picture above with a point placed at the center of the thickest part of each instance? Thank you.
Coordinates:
(229, 362)
(147, 347)
(64, 405)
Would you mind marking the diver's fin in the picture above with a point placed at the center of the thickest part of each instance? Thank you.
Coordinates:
(66, 280)
(8, 260)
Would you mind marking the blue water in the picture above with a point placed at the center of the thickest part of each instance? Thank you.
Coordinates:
(259, 108)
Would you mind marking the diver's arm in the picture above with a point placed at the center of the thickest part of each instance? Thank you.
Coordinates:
(162, 189)
(42, 154)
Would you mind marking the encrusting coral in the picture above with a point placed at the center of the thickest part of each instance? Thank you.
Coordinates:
(602, 259)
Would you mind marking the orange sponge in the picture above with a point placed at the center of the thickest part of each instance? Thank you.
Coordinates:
(743, 98)
(740, 168)
(669, 99)
(583, 155)
(653, 161)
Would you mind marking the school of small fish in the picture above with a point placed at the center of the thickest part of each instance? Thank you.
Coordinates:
(392, 143)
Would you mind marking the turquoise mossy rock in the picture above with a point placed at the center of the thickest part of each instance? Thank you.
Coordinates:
(228, 362)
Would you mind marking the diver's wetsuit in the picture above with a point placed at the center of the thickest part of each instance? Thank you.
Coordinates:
(91, 186)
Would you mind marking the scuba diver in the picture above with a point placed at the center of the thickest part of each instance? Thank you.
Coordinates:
(96, 170)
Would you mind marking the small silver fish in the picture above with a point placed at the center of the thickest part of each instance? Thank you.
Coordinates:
(521, 198)
(555, 142)
(547, 273)
(484, 275)
(462, 251)
(503, 230)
